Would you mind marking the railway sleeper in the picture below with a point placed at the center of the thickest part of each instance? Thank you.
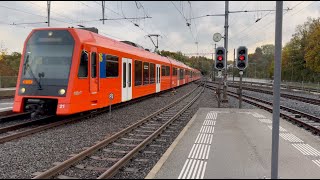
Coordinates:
(124, 145)
(130, 139)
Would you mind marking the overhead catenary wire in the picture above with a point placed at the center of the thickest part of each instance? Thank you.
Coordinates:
(267, 25)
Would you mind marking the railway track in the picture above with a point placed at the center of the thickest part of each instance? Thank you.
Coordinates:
(290, 87)
(307, 121)
(5, 113)
(107, 157)
(284, 95)
(22, 129)
(9, 116)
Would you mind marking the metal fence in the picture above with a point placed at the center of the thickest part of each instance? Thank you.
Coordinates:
(8, 81)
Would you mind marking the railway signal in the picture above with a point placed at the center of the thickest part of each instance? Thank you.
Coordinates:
(220, 62)
(242, 58)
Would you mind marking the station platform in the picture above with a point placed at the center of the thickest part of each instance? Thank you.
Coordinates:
(7, 92)
(236, 143)
(8, 89)
(6, 105)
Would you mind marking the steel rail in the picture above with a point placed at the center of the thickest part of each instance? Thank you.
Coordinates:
(282, 85)
(82, 155)
(5, 113)
(13, 116)
(24, 124)
(283, 115)
(284, 95)
(72, 119)
(123, 161)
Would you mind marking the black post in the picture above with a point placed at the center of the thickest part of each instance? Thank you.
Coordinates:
(240, 90)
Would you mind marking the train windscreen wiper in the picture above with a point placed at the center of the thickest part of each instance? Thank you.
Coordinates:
(27, 66)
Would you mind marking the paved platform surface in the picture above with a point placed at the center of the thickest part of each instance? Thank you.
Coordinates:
(8, 89)
(6, 105)
(234, 143)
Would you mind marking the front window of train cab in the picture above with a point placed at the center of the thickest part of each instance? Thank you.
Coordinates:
(47, 62)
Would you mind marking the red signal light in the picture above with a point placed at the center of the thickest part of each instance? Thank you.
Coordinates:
(242, 58)
(220, 58)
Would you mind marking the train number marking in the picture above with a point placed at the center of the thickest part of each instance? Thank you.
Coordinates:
(77, 93)
(111, 96)
(61, 106)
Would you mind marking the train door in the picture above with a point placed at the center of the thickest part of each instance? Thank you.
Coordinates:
(126, 79)
(184, 76)
(94, 69)
(178, 77)
(158, 80)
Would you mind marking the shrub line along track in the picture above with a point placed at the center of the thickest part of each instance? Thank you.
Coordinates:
(57, 120)
(289, 96)
(309, 122)
(159, 122)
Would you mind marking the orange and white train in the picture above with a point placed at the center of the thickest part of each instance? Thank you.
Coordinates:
(68, 70)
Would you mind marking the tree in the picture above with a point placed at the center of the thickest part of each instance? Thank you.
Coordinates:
(9, 64)
(301, 55)
(312, 48)
(201, 63)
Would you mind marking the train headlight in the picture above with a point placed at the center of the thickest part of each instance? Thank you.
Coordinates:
(22, 90)
(62, 91)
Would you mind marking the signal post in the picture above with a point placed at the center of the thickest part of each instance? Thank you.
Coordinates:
(220, 64)
(242, 63)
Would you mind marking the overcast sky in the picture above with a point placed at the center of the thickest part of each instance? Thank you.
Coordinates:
(168, 19)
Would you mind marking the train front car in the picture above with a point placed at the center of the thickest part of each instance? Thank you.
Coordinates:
(44, 71)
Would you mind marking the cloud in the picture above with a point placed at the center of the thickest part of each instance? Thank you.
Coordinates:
(167, 20)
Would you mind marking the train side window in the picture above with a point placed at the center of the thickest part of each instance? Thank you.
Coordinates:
(181, 74)
(112, 66)
(129, 75)
(146, 73)
(152, 73)
(93, 65)
(124, 75)
(83, 68)
(167, 70)
(174, 71)
(163, 70)
(137, 73)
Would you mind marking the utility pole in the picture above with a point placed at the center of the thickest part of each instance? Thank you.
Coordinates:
(276, 90)
(226, 25)
(48, 7)
(103, 7)
(214, 69)
(156, 46)
(234, 63)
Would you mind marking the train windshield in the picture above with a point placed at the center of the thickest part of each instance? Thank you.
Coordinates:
(48, 57)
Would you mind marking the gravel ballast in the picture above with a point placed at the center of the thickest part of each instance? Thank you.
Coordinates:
(21, 158)
(206, 100)
(294, 104)
(38, 152)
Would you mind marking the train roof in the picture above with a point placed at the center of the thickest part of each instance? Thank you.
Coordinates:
(85, 36)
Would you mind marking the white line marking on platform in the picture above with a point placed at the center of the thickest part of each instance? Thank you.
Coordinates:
(200, 150)
(280, 129)
(317, 162)
(290, 137)
(265, 121)
(306, 149)
(204, 170)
